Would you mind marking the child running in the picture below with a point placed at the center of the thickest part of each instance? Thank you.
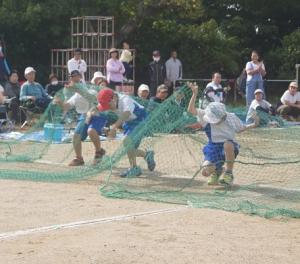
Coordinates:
(130, 115)
(220, 128)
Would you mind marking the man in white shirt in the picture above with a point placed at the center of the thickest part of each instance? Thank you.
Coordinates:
(213, 92)
(77, 64)
(83, 102)
(290, 103)
(173, 69)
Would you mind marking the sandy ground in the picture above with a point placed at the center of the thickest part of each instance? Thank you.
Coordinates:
(184, 235)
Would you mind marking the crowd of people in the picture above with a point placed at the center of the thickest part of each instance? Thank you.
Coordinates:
(90, 101)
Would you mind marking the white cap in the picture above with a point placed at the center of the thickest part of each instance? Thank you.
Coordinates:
(259, 91)
(98, 74)
(214, 113)
(143, 87)
(29, 70)
(294, 84)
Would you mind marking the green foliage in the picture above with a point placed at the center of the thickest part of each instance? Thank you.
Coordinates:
(208, 34)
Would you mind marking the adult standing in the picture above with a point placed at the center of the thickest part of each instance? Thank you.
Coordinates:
(77, 64)
(157, 72)
(255, 72)
(173, 69)
(126, 58)
(114, 69)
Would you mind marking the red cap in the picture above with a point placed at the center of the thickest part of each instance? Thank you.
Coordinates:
(104, 97)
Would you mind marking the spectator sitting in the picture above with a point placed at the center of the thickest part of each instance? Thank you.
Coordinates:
(12, 91)
(289, 107)
(77, 64)
(161, 95)
(32, 93)
(98, 78)
(53, 86)
(258, 105)
(143, 91)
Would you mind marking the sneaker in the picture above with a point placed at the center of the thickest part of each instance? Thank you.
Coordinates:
(149, 158)
(227, 179)
(213, 179)
(77, 162)
(131, 172)
(98, 156)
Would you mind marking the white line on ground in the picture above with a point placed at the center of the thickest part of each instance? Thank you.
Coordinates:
(78, 224)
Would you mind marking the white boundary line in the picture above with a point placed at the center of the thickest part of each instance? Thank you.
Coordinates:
(14, 234)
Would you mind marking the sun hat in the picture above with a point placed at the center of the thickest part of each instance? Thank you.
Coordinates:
(98, 74)
(259, 91)
(214, 113)
(104, 98)
(143, 87)
(29, 70)
(112, 50)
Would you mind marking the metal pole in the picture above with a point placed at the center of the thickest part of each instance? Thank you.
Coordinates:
(297, 73)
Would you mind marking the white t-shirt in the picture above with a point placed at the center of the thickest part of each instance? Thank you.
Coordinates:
(81, 105)
(226, 130)
(290, 98)
(254, 104)
(78, 65)
(125, 104)
(252, 66)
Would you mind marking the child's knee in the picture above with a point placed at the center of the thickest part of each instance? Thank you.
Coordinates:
(228, 146)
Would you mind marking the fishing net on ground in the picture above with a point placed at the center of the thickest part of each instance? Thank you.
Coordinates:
(266, 171)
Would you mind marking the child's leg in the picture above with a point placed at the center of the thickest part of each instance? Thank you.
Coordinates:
(94, 136)
(229, 156)
(207, 168)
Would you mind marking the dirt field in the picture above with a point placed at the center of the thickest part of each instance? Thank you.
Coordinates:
(72, 222)
(122, 231)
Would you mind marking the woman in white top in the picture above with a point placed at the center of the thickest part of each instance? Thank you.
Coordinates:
(255, 73)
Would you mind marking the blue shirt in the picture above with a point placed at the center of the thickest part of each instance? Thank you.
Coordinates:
(32, 89)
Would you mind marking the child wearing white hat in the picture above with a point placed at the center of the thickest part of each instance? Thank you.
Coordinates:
(220, 128)
(258, 104)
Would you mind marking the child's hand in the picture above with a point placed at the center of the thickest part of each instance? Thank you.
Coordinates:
(194, 87)
(112, 133)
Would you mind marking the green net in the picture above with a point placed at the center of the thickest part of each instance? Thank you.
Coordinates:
(266, 171)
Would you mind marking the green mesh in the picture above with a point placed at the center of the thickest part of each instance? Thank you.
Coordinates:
(266, 171)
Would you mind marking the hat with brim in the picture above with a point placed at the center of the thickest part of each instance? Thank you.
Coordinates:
(104, 98)
(113, 50)
(97, 75)
(143, 87)
(74, 73)
(259, 91)
(29, 70)
(214, 113)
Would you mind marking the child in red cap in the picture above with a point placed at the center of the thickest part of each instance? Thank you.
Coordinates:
(130, 114)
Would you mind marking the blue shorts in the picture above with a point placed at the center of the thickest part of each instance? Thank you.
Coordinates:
(97, 122)
(214, 153)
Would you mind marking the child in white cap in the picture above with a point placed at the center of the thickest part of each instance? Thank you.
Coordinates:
(258, 105)
(220, 128)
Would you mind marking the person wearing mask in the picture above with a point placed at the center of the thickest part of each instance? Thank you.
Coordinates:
(53, 86)
(157, 72)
